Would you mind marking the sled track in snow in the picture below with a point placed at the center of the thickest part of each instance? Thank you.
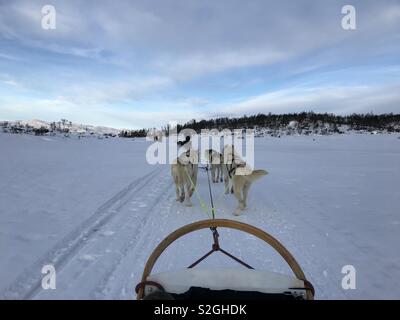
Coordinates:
(27, 285)
(138, 240)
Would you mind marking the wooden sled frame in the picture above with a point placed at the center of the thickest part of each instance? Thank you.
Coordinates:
(225, 223)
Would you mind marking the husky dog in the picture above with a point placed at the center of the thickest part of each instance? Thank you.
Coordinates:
(184, 172)
(240, 175)
(241, 186)
(216, 160)
(231, 161)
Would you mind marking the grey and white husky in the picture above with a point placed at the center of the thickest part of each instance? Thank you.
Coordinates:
(238, 177)
(216, 160)
(184, 172)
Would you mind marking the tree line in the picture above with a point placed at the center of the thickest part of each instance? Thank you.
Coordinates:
(389, 121)
(305, 120)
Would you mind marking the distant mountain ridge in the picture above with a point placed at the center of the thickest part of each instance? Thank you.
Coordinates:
(63, 126)
(304, 123)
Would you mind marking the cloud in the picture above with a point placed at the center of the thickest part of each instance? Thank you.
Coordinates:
(142, 116)
(192, 102)
(202, 64)
(148, 60)
(11, 83)
(191, 38)
(108, 91)
(331, 99)
(8, 57)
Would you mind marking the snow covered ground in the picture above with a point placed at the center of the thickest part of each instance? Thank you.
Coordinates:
(95, 209)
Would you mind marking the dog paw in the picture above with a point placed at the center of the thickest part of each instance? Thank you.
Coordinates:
(237, 212)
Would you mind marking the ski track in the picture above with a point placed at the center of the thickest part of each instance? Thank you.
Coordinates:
(29, 283)
(91, 278)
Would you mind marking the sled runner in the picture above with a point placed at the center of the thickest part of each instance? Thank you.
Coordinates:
(221, 283)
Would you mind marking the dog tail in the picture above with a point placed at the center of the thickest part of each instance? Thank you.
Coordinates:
(255, 175)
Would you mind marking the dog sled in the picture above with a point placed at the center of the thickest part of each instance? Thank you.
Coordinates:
(220, 283)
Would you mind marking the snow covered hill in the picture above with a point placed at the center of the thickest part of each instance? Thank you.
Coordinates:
(63, 126)
(95, 209)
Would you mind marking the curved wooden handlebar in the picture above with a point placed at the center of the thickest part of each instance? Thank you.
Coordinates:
(224, 223)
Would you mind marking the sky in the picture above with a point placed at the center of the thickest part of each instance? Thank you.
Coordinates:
(140, 64)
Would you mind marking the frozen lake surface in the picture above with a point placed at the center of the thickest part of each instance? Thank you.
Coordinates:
(95, 209)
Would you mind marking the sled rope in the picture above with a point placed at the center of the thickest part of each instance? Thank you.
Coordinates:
(216, 246)
(211, 197)
(202, 203)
